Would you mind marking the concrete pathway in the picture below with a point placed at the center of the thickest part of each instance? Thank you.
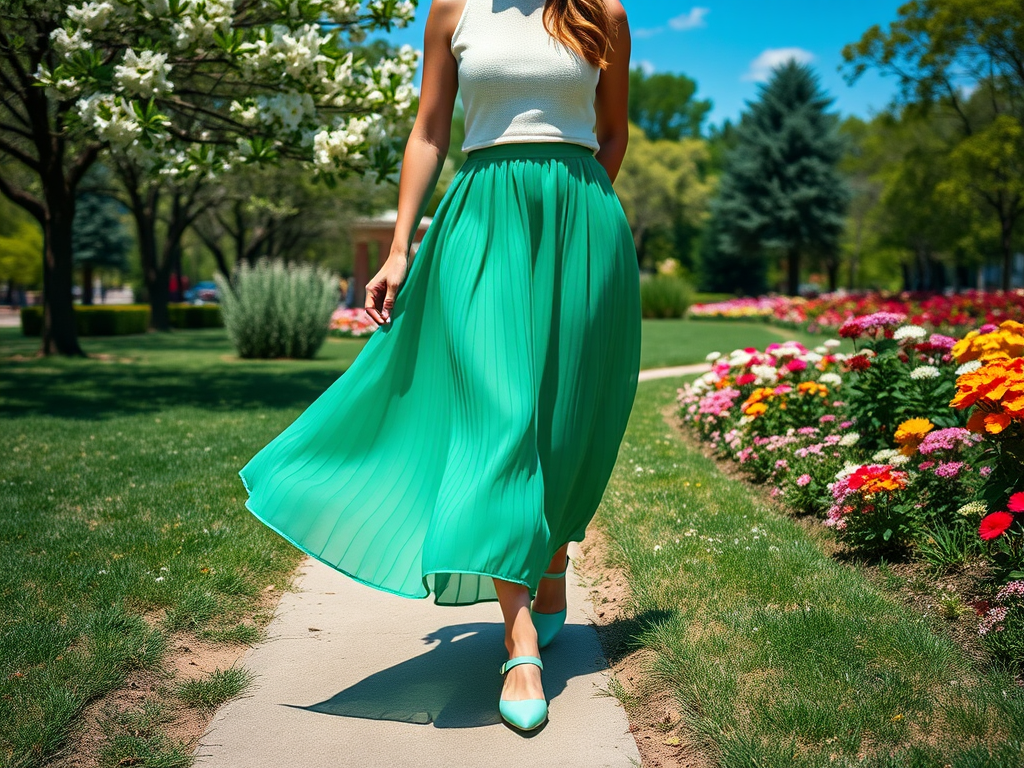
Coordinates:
(678, 370)
(352, 677)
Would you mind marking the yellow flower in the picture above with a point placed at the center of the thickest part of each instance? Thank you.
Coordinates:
(1005, 343)
(910, 433)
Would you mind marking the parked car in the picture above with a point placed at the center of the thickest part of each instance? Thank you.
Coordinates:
(203, 292)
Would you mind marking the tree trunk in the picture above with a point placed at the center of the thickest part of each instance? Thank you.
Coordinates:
(833, 275)
(159, 297)
(87, 295)
(60, 334)
(793, 272)
(1006, 244)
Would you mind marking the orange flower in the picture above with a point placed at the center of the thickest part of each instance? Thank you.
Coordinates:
(1005, 343)
(754, 405)
(910, 433)
(811, 388)
(997, 389)
(875, 478)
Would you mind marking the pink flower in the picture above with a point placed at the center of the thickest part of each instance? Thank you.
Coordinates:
(796, 364)
(948, 470)
(803, 480)
(828, 417)
(985, 471)
(926, 465)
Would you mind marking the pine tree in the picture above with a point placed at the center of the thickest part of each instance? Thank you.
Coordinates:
(99, 239)
(781, 192)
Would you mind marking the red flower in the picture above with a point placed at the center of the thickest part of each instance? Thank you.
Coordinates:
(858, 363)
(993, 526)
(796, 365)
(745, 378)
(1016, 503)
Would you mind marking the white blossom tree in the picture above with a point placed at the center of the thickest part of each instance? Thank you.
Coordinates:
(187, 89)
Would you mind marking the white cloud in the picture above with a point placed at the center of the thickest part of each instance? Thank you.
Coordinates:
(691, 20)
(761, 67)
(646, 66)
(648, 32)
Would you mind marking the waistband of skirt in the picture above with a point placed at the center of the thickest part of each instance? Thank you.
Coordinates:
(525, 150)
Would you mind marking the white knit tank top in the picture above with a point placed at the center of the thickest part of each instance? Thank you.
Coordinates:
(518, 83)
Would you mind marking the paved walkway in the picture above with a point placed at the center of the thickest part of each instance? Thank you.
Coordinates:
(678, 370)
(352, 677)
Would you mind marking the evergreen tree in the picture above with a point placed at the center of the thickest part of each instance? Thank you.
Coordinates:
(100, 239)
(781, 191)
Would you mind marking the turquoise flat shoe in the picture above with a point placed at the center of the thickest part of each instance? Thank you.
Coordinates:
(525, 714)
(549, 624)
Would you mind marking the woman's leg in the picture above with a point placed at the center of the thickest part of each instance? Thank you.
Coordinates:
(522, 681)
(551, 592)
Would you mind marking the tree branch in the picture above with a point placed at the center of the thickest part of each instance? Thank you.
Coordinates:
(22, 198)
(21, 157)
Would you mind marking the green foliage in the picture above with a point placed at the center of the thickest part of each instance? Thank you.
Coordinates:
(21, 246)
(103, 320)
(662, 188)
(277, 310)
(781, 192)
(100, 237)
(665, 296)
(221, 686)
(663, 105)
(195, 316)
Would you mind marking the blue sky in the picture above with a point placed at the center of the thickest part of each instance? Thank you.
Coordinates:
(727, 46)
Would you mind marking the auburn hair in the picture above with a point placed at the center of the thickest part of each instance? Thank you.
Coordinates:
(583, 26)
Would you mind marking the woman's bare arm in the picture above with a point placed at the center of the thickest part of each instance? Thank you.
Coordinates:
(613, 94)
(424, 153)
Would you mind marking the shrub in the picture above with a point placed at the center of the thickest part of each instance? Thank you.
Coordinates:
(665, 296)
(100, 320)
(277, 310)
(195, 316)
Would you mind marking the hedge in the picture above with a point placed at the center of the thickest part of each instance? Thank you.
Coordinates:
(101, 320)
(195, 316)
(121, 319)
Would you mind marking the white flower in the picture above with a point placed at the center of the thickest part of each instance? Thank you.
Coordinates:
(93, 16)
(884, 455)
(66, 44)
(849, 439)
(766, 374)
(831, 379)
(970, 367)
(898, 460)
(713, 356)
(832, 343)
(925, 372)
(973, 508)
(143, 74)
(909, 332)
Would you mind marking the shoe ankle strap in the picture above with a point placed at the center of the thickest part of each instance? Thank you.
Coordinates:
(520, 660)
(559, 574)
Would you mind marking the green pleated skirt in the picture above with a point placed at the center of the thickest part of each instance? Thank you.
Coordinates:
(475, 435)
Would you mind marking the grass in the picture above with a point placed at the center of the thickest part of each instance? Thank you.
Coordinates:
(123, 514)
(210, 692)
(680, 342)
(776, 654)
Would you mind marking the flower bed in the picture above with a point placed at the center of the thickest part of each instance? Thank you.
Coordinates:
(351, 323)
(954, 314)
(912, 446)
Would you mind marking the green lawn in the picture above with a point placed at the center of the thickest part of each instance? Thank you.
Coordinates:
(679, 342)
(124, 521)
(118, 481)
(776, 654)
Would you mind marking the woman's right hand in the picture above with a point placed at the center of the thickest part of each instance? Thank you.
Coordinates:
(382, 289)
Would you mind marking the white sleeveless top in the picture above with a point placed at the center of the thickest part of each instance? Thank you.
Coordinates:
(518, 83)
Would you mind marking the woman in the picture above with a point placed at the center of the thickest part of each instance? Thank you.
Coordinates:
(472, 438)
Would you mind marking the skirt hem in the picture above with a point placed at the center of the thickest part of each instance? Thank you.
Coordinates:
(305, 550)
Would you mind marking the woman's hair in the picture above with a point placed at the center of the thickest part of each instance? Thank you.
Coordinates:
(582, 26)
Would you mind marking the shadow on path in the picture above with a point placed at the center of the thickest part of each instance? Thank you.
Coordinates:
(456, 684)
